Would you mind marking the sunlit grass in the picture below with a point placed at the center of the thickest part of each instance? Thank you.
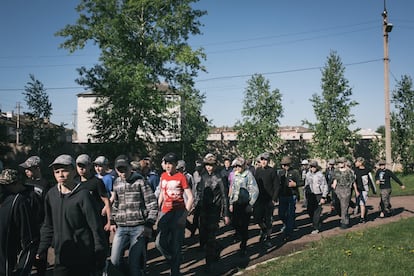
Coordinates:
(383, 250)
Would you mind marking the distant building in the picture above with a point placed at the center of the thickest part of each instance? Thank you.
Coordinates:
(286, 133)
(12, 125)
(87, 100)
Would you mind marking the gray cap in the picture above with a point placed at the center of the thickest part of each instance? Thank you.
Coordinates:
(180, 164)
(265, 156)
(314, 164)
(8, 176)
(238, 161)
(32, 161)
(209, 159)
(360, 159)
(83, 159)
(331, 162)
(101, 160)
(341, 160)
(64, 159)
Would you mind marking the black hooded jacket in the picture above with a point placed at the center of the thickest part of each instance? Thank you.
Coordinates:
(73, 225)
(17, 236)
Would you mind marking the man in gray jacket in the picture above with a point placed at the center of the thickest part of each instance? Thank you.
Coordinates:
(316, 190)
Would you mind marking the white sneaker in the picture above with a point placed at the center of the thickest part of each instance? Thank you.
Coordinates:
(316, 231)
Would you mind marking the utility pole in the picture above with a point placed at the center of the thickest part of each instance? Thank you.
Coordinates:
(18, 124)
(387, 28)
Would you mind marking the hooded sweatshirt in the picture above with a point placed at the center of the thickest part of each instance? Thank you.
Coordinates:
(73, 225)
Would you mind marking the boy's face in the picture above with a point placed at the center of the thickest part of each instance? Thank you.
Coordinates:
(82, 169)
(64, 174)
(100, 169)
(32, 172)
(209, 168)
(170, 167)
(263, 162)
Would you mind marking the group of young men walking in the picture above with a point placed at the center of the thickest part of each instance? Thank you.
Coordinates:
(76, 215)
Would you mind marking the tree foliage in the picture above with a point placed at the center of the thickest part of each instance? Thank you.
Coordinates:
(143, 45)
(262, 109)
(38, 132)
(332, 134)
(194, 126)
(402, 122)
(37, 100)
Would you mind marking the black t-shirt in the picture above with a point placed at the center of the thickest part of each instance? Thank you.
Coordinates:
(97, 189)
(362, 179)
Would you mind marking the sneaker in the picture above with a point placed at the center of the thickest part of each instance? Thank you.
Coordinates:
(344, 226)
(268, 243)
(362, 220)
(316, 231)
(382, 215)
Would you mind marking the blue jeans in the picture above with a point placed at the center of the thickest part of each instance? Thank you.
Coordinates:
(132, 236)
(170, 238)
(287, 213)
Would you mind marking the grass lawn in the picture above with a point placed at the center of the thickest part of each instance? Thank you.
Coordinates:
(383, 250)
(408, 181)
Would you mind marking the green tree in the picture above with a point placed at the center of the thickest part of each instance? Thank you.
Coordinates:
(144, 44)
(402, 123)
(37, 100)
(194, 126)
(259, 129)
(332, 134)
(38, 132)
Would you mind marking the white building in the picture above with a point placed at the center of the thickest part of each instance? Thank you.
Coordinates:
(87, 100)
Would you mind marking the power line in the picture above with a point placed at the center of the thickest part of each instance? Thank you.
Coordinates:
(47, 88)
(288, 71)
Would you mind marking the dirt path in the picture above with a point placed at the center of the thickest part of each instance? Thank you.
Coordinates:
(231, 262)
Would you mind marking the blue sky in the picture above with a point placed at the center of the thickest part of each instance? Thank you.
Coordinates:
(286, 41)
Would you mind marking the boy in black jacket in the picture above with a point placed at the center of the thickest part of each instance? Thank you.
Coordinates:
(17, 234)
(73, 225)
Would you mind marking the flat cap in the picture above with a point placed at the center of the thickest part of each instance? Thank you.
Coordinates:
(238, 161)
(181, 164)
(210, 159)
(314, 164)
(83, 159)
(101, 161)
(32, 161)
(63, 159)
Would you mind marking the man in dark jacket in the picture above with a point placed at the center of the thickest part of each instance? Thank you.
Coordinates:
(17, 231)
(383, 179)
(72, 225)
(36, 190)
(269, 184)
(211, 199)
(288, 193)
